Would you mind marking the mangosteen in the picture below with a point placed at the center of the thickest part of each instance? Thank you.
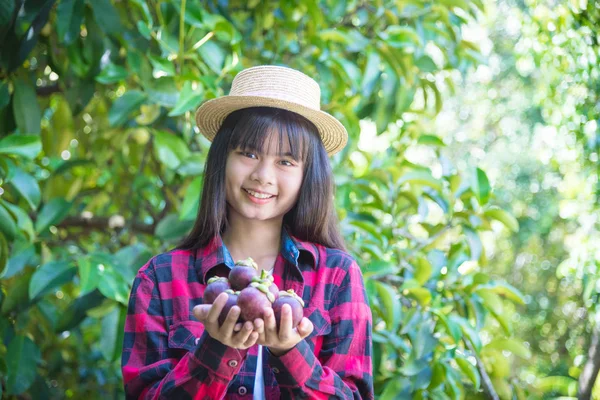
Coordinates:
(253, 300)
(267, 279)
(232, 299)
(296, 304)
(242, 273)
(215, 287)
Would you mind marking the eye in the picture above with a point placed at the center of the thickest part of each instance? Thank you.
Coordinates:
(248, 154)
(287, 163)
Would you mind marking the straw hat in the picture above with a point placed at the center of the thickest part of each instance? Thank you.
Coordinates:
(273, 86)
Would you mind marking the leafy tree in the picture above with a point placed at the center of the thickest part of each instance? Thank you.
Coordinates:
(100, 167)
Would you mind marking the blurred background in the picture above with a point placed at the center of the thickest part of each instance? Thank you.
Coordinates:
(468, 192)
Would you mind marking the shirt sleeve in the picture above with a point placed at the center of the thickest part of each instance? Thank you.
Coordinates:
(151, 370)
(343, 369)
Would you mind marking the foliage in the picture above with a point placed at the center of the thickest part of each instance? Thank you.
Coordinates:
(100, 166)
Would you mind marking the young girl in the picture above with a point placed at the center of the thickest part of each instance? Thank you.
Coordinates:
(267, 194)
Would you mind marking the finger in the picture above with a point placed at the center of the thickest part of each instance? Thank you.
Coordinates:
(238, 327)
(201, 311)
(230, 322)
(270, 325)
(285, 330)
(305, 327)
(259, 325)
(216, 308)
(240, 338)
(251, 341)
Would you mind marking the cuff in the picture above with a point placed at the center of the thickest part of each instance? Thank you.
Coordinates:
(296, 366)
(221, 360)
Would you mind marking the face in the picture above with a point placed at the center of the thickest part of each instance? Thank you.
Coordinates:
(262, 187)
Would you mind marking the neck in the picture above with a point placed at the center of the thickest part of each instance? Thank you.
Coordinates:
(260, 240)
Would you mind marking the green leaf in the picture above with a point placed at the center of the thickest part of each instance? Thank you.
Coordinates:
(7, 224)
(77, 311)
(49, 277)
(124, 105)
(503, 216)
(28, 146)
(193, 165)
(52, 213)
(423, 270)
(106, 16)
(69, 16)
(113, 286)
(170, 227)
(113, 329)
(21, 359)
(480, 186)
(191, 201)
(420, 178)
(4, 100)
(401, 37)
(163, 91)
(420, 294)
(379, 267)
(388, 296)
(170, 149)
(471, 334)
(27, 186)
(17, 298)
(22, 253)
(24, 222)
(162, 66)
(189, 99)
(452, 327)
(112, 74)
(26, 109)
(431, 140)
(426, 64)
(563, 385)
(334, 35)
(148, 114)
(474, 241)
(371, 74)
(513, 345)
(505, 290)
(144, 29)
(213, 56)
(3, 256)
(469, 370)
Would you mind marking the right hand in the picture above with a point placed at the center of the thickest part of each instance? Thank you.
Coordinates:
(234, 335)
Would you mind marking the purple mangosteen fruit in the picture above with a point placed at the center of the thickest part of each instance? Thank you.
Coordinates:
(242, 273)
(232, 300)
(215, 287)
(253, 300)
(296, 304)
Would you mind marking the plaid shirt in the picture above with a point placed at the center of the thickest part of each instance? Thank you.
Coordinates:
(167, 354)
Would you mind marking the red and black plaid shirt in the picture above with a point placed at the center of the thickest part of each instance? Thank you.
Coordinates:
(167, 354)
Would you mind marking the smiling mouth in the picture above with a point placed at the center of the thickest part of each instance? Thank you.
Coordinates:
(258, 195)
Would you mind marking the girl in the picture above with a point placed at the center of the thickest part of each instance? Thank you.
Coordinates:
(267, 194)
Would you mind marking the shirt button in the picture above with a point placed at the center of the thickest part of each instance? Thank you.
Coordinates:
(276, 370)
(196, 341)
(232, 363)
(242, 390)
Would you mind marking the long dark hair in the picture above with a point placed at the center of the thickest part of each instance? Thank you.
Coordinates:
(312, 218)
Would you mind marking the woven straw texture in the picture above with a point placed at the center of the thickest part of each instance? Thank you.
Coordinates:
(273, 86)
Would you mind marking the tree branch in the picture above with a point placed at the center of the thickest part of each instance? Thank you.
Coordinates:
(590, 369)
(105, 223)
(486, 382)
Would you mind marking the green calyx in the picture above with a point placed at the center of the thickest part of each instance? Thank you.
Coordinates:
(248, 262)
(291, 293)
(264, 277)
(265, 289)
(217, 279)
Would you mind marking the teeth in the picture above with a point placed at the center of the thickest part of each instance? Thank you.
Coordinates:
(258, 195)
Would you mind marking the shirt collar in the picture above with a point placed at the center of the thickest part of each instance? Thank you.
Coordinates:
(216, 253)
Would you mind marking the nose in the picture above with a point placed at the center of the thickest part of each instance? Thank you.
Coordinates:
(263, 173)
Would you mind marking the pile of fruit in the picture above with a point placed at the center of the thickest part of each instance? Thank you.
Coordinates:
(252, 292)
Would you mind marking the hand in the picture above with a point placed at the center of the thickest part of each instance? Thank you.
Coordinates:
(281, 341)
(231, 334)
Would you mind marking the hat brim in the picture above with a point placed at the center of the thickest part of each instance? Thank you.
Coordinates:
(211, 114)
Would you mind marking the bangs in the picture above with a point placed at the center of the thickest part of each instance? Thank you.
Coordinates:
(256, 128)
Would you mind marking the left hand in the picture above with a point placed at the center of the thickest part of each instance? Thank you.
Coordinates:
(281, 341)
